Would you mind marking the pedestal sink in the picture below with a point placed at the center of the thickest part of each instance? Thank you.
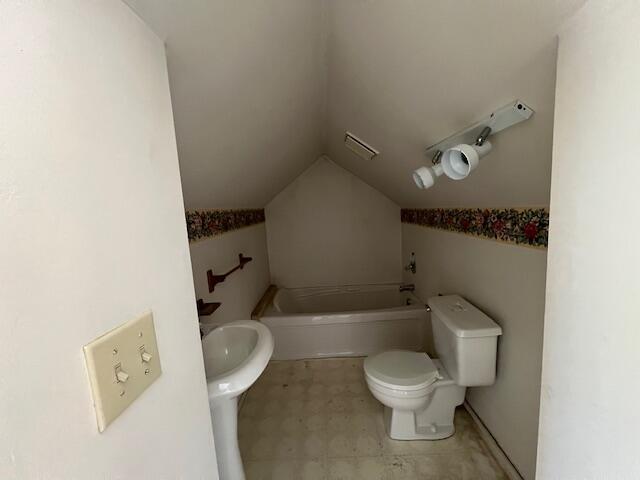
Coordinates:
(235, 355)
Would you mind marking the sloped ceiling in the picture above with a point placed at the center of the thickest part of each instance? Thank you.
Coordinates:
(404, 74)
(261, 88)
(247, 86)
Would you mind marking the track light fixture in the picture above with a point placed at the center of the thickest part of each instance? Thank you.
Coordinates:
(456, 158)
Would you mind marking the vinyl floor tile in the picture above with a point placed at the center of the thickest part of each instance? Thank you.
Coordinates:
(316, 420)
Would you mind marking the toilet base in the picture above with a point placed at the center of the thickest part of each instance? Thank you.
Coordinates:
(434, 422)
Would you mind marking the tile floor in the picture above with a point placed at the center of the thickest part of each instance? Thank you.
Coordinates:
(315, 419)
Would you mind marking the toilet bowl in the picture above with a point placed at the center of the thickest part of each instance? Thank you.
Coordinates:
(415, 409)
(420, 394)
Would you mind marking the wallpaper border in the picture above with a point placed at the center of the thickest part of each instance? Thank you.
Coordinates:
(203, 224)
(519, 226)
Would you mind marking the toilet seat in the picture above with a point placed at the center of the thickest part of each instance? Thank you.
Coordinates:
(401, 370)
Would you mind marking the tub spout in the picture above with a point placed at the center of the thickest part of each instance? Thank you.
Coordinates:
(407, 287)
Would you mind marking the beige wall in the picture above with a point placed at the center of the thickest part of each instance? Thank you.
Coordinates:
(507, 283)
(328, 227)
(589, 413)
(242, 290)
(93, 234)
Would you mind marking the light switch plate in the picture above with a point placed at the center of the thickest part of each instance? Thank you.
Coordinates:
(121, 365)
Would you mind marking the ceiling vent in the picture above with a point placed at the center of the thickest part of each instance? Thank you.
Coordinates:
(360, 148)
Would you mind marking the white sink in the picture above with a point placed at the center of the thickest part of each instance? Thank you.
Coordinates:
(235, 355)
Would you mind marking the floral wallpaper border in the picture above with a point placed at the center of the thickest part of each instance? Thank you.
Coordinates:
(521, 226)
(209, 223)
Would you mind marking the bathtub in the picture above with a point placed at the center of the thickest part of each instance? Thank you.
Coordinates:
(344, 321)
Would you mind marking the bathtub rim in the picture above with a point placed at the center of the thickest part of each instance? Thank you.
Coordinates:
(271, 310)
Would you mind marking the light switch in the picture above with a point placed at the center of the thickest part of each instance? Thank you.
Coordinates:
(122, 364)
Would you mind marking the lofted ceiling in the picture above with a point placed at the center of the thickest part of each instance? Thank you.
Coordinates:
(409, 73)
(261, 88)
(247, 87)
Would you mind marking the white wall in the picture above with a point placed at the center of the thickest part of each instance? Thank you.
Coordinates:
(328, 227)
(506, 282)
(589, 415)
(93, 234)
(242, 290)
(248, 89)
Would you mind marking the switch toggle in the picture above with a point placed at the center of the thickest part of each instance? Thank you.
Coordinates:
(121, 375)
(144, 355)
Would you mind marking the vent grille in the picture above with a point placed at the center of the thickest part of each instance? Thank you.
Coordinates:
(359, 147)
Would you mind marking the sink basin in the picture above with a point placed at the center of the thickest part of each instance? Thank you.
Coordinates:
(235, 354)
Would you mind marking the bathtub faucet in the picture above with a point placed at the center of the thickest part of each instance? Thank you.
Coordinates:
(411, 267)
(407, 287)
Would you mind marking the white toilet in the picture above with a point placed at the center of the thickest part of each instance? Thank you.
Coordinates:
(420, 394)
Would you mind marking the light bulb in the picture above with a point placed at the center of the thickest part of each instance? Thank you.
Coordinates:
(425, 177)
(459, 161)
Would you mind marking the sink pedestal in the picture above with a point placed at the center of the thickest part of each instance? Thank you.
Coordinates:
(235, 354)
(224, 420)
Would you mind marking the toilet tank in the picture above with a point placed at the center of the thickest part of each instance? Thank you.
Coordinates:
(466, 340)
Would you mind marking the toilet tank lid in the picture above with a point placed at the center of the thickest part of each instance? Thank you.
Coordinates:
(463, 318)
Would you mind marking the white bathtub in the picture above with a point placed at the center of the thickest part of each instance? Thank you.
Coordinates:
(344, 321)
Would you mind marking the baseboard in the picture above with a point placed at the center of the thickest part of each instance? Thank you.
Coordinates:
(493, 446)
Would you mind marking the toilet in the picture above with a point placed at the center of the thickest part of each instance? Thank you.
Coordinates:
(419, 393)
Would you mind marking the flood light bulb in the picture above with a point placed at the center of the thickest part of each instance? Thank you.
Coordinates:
(459, 161)
(425, 177)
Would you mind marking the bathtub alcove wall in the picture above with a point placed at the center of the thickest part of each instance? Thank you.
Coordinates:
(328, 227)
